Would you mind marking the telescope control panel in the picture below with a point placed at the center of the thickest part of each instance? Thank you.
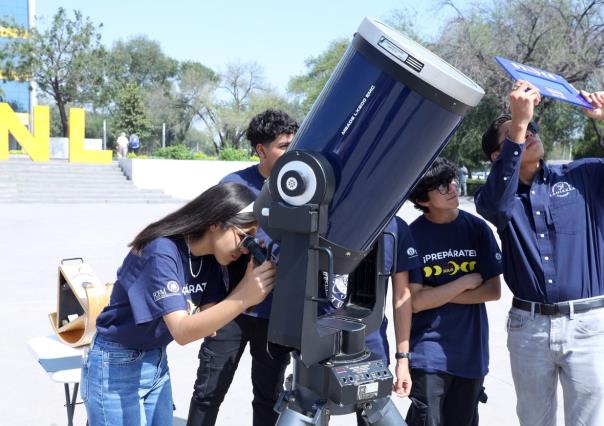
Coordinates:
(361, 381)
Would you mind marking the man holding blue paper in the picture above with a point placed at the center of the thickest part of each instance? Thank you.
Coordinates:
(551, 223)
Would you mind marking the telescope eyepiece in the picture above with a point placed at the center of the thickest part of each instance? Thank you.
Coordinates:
(258, 253)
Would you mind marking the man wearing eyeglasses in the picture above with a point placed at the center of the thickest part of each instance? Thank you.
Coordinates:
(551, 223)
(449, 329)
(270, 134)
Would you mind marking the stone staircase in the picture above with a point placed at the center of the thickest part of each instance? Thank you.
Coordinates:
(57, 181)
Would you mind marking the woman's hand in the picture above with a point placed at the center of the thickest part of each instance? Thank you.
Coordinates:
(256, 284)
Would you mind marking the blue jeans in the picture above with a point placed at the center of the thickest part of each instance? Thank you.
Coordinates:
(121, 386)
(545, 348)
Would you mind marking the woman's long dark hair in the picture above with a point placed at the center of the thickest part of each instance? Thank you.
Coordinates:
(220, 204)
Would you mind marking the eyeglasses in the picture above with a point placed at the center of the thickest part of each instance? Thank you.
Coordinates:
(444, 189)
(243, 236)
(532, 127)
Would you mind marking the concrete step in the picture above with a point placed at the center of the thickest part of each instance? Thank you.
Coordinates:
(119, 192)
(41, 198)
(59, 169)
(91, 182)
(23, 181)
(107, 192)
(91, 201)
(70, 186)
(42, 180)
(60, 172)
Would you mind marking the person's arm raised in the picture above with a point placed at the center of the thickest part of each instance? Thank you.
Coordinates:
(495, 199)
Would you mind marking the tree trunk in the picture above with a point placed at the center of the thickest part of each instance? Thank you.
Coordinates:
(63, 115)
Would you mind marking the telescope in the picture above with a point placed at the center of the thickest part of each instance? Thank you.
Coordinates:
(386, 112)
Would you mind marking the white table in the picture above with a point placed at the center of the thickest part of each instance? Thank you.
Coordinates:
(62, 363)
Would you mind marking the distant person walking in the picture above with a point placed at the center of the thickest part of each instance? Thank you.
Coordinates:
(134, 143)
(121, 146)
(462, 173)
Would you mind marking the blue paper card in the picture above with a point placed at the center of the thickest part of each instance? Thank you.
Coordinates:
(549, 84)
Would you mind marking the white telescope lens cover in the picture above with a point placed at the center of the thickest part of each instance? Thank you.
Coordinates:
(415, 58)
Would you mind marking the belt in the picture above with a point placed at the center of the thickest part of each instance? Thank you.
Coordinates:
(561, 308)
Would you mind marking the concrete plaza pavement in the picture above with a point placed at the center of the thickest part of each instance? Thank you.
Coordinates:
(35, 237)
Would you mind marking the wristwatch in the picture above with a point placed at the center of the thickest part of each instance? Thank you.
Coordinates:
(401, 355)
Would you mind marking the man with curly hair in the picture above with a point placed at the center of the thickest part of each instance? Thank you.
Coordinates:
(270, 134)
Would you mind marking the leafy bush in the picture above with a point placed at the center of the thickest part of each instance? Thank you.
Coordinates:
(203, 156)
(473, 185)
(233, 154)
(174, 152)
(137, 156)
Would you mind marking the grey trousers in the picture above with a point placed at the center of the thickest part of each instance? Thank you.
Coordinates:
(547, 348)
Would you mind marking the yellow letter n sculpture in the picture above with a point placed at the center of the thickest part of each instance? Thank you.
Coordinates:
(36, 145)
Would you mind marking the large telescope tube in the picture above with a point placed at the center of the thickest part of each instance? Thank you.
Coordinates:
(388, 109)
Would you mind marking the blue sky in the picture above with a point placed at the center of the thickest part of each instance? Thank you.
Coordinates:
(278, 35)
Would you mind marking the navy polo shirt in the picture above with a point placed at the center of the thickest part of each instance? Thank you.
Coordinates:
(407, 260)
(453, 338)
(153, 284)
(252, 178)
(551, 230)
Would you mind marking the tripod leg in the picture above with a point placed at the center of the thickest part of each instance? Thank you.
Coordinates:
(291, 417)
(383, 412)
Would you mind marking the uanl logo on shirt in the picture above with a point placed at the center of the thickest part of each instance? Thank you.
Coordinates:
(172, 286)
(411, 252)
(172, 289)
(561, 190)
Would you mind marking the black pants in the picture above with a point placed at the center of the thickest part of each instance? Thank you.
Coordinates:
(218, 360)
(439, 399)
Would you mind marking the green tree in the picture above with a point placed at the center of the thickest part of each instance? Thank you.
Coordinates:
(66, 61)
(562, 36)
(592, 143)
(138, 60)
(307, 87)
(194, 88)
(465, 147)
(130, 116)
(225, 106)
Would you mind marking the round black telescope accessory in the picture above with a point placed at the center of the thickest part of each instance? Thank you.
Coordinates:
(300, 178)
(292, 183)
